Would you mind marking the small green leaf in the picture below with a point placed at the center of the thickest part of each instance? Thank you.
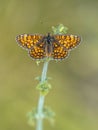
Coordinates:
(47, 113)
(38, 78)
(60, 29)
(44, 87)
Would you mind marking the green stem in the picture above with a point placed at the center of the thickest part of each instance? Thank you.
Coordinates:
(39, 125)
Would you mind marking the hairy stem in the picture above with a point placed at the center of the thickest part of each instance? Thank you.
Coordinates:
(39, 125)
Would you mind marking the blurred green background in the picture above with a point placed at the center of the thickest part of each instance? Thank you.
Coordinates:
(74, 94)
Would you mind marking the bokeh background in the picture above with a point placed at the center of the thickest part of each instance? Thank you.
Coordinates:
(74, 93)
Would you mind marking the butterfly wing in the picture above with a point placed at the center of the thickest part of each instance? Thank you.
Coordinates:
(27, 41)
(68, 41)
(37, 52)
(59, 52)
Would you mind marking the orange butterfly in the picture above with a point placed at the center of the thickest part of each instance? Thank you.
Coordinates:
(48, 46)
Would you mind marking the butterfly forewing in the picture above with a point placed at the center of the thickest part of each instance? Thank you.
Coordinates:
(68, 41)
(28, 41)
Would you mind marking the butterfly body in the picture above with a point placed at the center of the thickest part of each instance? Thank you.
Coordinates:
(48, 46)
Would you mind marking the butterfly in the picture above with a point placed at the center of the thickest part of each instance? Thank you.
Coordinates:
(56, 47)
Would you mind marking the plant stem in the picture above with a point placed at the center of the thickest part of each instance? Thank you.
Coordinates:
(39, 125)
